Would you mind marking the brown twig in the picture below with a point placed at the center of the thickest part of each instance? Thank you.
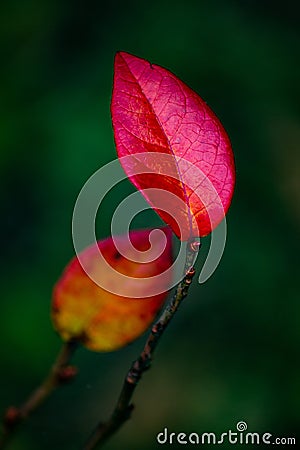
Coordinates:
(60, 373)
(124, 407)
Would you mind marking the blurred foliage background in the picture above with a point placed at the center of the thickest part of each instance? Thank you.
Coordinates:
(233, 351)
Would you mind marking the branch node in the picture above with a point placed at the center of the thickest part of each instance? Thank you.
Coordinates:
(133, 376)
(11, 417)
(195, 245)
(190, 273)
(157, 328)
(66, 374)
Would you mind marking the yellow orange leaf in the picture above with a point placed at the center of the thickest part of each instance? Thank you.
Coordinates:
(100, 319)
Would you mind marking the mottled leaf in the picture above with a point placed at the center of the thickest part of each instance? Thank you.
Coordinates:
(102, 320)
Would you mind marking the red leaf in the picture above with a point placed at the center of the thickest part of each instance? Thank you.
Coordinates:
(164, 129)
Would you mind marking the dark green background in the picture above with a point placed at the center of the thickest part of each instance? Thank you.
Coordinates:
(233, 351)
